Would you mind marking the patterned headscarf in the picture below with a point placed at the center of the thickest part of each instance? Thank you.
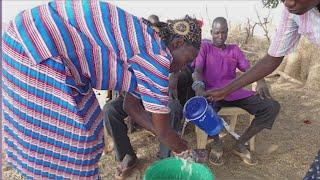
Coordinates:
(188, 28)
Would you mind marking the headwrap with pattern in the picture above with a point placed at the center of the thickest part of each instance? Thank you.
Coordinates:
(188, 28)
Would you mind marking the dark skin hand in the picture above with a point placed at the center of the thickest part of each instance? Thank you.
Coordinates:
(261, 89)
(263, 68)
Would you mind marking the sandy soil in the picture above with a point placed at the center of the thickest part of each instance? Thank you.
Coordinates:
(285, 152)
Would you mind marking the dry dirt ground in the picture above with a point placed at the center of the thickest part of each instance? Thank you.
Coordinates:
(285, 152)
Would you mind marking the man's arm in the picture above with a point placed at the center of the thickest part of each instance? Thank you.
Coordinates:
(263, 67)
(173, 83)
(199, 88)
(166, 134)
(198, 85)
(159, 124)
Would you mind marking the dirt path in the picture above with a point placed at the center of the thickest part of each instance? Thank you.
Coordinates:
(285, 152)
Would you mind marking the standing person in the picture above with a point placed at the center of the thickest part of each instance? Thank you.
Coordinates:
(299, 18)
(216, 66)
(54, 54)
(114, 119)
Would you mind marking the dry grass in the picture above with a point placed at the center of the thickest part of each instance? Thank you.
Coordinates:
(285, 152)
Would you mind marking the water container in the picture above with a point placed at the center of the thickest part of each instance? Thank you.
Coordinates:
(172, 169)
(199, 112)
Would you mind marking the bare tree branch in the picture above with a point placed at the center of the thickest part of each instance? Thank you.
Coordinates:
(249, 28)
(207, 13)
(264, 23)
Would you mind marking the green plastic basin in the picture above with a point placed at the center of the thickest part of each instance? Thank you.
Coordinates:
(170, 169)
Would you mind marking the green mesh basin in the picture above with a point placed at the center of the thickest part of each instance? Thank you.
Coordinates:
(170, 169)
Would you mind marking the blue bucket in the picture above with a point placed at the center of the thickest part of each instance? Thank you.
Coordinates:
(199, 112)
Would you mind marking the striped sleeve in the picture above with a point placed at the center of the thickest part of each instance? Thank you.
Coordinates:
(152, 82)
(34, 34)
(287, 36)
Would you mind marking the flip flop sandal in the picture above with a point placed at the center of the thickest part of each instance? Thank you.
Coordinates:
(125, 167)
(216, 159)
(216, 153)
(246, 157)
(200, 155)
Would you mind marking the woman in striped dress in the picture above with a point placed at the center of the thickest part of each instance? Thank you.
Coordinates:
(52, 57)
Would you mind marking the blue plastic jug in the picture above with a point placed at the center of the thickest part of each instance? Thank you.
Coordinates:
(199, 112)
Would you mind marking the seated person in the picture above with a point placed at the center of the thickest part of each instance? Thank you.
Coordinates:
(182, 81)
(215, 67)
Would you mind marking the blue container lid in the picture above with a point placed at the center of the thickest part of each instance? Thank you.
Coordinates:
(195, 107)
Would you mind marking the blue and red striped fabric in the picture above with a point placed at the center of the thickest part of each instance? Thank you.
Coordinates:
(53, 55)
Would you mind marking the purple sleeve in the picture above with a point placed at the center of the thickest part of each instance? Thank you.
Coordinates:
(199, 62)
(243, 63)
